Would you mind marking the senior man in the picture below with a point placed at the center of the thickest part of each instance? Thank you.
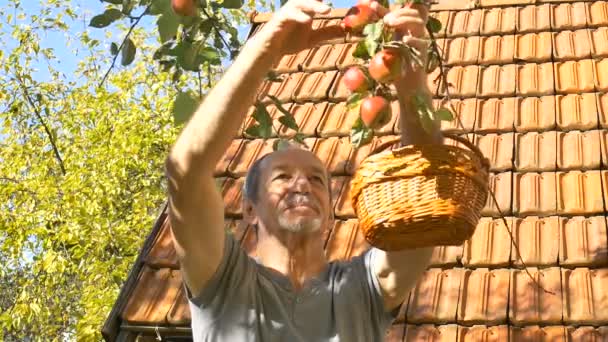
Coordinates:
(289, 292)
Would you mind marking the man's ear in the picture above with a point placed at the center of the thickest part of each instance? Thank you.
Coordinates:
(249, 214)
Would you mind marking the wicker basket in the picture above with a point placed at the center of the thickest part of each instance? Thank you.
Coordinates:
(420, 195)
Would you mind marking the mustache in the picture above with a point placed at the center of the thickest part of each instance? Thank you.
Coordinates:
(299, 199)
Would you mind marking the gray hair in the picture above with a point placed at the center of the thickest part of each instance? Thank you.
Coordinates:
(252, 180)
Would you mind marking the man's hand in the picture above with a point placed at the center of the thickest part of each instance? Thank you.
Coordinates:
(290, 29)
(409, 23)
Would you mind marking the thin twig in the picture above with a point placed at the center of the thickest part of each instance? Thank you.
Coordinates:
(217, 30)
(46, 127)
(444, 82)
(137, 19)
(200, 85)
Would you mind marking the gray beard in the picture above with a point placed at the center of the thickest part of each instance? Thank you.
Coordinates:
(300, 226)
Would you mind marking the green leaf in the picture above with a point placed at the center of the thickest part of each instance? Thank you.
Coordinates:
(371, 46)
(106, 18)
(115, 2)
(374, 30)
(272, 76)
(361, 51)
(354, 100)
(360, 134)
(167, 23)
(127, 6)
(259, 131)
(159, 7)
(184, 106)
(261, 115)
(444, 114)
(289, 121)
(114, 49)
(128, 52)
(278, 104)
(434, 25)
(233, 4)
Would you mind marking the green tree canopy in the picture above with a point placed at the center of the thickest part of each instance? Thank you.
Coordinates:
(81, 158)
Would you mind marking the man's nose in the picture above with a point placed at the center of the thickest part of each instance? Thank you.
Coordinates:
(301, 183)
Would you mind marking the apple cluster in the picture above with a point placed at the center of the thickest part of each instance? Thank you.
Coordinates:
(383, 67)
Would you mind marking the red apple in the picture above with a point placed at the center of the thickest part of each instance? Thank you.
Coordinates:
(357, 17)
(385, 66)
(185, 8)
(375, 111)
(355, 80)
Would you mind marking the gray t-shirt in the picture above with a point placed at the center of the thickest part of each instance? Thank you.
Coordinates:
(245, 301)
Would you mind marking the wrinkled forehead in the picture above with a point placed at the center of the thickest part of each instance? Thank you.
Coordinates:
(294, 158)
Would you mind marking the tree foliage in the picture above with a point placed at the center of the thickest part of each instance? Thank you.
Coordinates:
(81, 159)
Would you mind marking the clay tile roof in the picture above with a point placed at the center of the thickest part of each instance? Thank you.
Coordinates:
(529, 83)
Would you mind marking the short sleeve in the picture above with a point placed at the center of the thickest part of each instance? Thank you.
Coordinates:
(233, 274)
(379, 312)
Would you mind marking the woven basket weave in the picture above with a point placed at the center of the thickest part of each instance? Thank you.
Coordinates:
(420, 195)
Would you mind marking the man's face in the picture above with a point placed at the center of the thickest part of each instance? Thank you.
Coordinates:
(294, 192)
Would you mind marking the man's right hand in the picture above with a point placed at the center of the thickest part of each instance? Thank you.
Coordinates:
(290, 29)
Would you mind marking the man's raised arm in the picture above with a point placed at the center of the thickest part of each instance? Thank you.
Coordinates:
(195, 205)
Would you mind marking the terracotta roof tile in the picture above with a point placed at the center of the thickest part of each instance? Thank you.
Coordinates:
(500, 185)
(431, 333)
(567, 16)
(338, 91)
(583, 241)
(488, 246)
(533, 47)
(462, 81)
(179, 314)
(323, 57)
(451, 142)
(247, 154)
(535, 151)
(535, 79)
(358, 155)
(535, 113)
(534, 18)
(446, 256)
(464, 110)
(498, 20)
(344, 208)
(221, 169)
(319, 23)
(345, 241)
(162, 254)
(282, 90)
(337, 183)
(576, 112)
(601, 69)
(495, 115)
(395, 333)
(464, 23)
(497, 49)
(442, 5)
(585, 296)
(346, 59)
(334, 153)
(579, 192)
(292, 62)
(153, 296)
(496, 80)
(443, 17)
(534, 193)
(461, 50)
(586, 334)
(435, 297)
(232, 192)
(482, 333)
(571, 45)
(498, 148)
(574, 76)
(313, 87)
(602, 109)
(597, 13)
(307, 116)
(599, 42)
(537, 240)
(531, 304)
(535, 333)
(604, 147)
(484, 296)
(337, 120)
(578, 150)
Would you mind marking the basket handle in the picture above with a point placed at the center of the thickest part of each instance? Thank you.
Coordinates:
(455, 137)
